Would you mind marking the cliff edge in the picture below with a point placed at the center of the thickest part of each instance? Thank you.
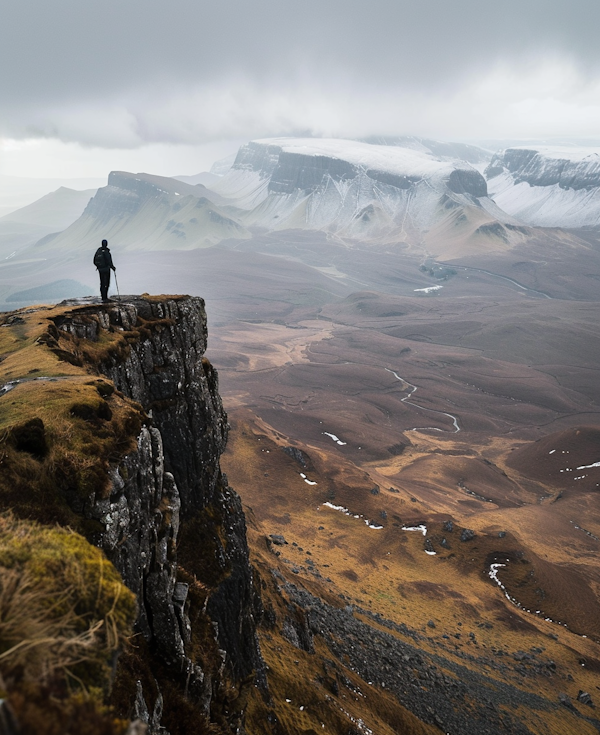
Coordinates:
(113, 427)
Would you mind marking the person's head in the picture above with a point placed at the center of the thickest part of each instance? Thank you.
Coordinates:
(104, 244)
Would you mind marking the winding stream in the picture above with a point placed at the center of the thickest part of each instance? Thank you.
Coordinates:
(496, 275)
(406, 399)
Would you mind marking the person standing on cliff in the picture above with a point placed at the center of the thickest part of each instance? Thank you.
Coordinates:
(104, 263)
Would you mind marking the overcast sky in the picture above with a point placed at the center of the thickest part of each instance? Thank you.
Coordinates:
(86, 87)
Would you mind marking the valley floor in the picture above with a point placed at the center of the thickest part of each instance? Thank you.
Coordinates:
(421, 474)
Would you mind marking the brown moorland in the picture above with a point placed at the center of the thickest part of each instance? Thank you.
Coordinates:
(374, 433)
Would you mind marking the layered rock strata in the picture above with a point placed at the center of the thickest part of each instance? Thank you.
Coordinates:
(548, 187)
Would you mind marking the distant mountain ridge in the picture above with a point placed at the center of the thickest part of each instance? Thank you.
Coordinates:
(433, 204)
(548, 187)
(146, 212)
(19, 191)
(51, 213)
(56, 210)
(367, 192)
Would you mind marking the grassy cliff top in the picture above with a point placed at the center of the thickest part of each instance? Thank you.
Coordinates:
(61, 425)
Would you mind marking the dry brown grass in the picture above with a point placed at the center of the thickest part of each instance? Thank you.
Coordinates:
(387, 571)
(41, 642)
(63, 607)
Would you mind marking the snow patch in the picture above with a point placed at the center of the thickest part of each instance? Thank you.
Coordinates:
(429, 289)
(346, 512)
(336, 439)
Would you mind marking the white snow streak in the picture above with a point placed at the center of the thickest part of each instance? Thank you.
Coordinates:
(336, 439)
(429, 289)
(422, 529)
(493, 574)
(346, 512)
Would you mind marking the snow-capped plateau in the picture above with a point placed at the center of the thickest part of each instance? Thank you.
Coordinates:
(443, 150)
(362, 191)
(548, 186)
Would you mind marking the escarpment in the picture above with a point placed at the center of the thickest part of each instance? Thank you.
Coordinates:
(547, 168)
(154, 499)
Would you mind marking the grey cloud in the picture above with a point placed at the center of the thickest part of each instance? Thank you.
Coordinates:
(69, 66)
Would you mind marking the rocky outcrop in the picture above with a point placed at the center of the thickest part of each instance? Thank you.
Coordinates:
(170, 492)
(126, 193)
(541, 168)
(289, 169)
(547, 187)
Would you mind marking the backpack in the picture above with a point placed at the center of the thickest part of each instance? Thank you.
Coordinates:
(100, 259)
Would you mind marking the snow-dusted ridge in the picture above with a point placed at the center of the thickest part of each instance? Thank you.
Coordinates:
(548, 186)
(402, 161)
(362, 191)
(302, 164)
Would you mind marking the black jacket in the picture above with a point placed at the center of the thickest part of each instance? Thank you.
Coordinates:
(103, 259)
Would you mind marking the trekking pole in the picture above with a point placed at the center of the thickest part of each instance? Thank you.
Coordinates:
(117, 285)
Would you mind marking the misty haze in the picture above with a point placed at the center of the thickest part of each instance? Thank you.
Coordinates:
(327, 459)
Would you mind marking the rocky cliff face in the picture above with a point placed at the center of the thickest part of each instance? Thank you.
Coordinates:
(373, 193)
(170, 522)
(289, 168)
(547, 187)
(126, 193)
(546, 168)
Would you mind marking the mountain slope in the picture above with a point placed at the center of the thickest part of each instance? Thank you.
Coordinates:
(548, 187)
(51, 213)
(145, 212)
(19, 191)
(367, 192)
(54, 211)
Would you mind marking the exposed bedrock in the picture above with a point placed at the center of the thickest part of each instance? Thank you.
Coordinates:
(127, 193)
(113, 201)
(290, 171)
(171, 489)
(257, 157)
(467, 181)
(296, 171)
(535, 168)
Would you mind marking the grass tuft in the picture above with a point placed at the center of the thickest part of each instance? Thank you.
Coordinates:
(78, 609)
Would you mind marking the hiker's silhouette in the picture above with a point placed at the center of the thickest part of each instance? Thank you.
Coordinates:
(104, 263)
